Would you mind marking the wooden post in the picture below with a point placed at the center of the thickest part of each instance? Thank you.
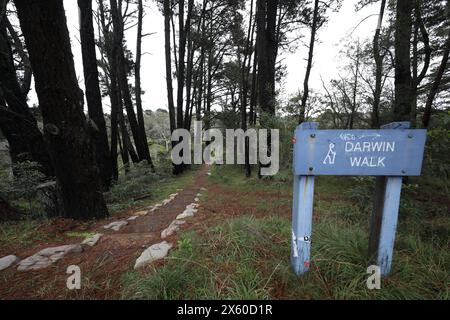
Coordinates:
(302, 212)
(383, 222)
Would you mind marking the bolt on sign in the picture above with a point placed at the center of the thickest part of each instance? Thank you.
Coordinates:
(389, 154)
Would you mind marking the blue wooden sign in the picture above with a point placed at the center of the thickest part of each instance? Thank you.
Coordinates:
(390, 153)
(359, 152)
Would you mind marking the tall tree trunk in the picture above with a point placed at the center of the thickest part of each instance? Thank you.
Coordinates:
(181, 65)
(267, 53)
(253, 94)
(378, 57)
(267, 48)
(139, 140)
(16, 120)
(66, 131)
(244, 90)
(355, 88)
(171, 104)
(137, 78)
(310, 61)
(114, 94)
(403, 79)
(189, 76)
(93, 96)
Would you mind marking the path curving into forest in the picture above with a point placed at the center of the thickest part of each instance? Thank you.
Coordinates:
(110, 254)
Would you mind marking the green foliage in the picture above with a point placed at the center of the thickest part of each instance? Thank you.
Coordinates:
(437, 152)
(142, 187)
(361, 193)
(22, 188)
(23, 233)
(137, 182)
(286, 126)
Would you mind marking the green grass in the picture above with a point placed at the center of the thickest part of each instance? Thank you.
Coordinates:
(21, 233)
(154, 188)
(77, 234)
(248, 258)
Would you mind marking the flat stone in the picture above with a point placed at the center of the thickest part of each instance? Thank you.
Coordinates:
(47, 257)
(167, 201)
(203, 189)
(142, 213)
(189, 212)
(173, 195)
(116, 226)
(92, 241)
(8, 261)
(132, 218)
(173, 227)
(153, 253)
(197, 199)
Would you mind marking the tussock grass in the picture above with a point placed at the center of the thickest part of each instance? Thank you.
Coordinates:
(22, 233)
(249, 258)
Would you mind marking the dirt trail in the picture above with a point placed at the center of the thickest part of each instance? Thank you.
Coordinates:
(103, 265)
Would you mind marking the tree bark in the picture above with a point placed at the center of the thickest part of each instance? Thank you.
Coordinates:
(267, 48)
(403, 79)
(266, 44)
(137, 77)
(114, 94)
(378, 57)
(171, 104)
(66, 131)
(93, 96)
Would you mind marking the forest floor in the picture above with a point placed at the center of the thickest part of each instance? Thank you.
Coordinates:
(103, 265)
(237, 246)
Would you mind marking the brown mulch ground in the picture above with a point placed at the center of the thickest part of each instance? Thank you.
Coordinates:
(104, 265)
(101, 266)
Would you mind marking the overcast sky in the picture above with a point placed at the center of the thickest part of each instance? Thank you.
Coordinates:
(340, 28)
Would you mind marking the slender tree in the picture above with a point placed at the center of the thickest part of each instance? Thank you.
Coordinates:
(403, 80)
(378, 57)
(170, 100)
(310, 61)
(140, 140)
(137, 83)
(93, 96)
(111, 42)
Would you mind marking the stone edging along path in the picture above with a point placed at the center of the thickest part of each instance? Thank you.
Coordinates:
(48, 256)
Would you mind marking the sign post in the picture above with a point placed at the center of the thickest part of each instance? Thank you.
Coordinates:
(391, 153)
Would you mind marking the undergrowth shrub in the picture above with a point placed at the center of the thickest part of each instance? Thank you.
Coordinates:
(22, 189)
(138, 181)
